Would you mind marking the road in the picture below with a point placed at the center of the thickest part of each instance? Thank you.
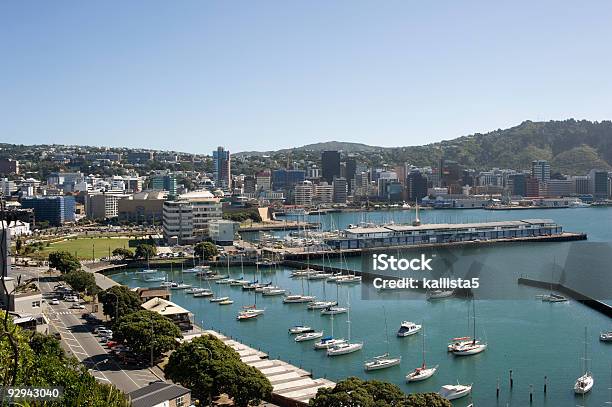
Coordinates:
(77, 340)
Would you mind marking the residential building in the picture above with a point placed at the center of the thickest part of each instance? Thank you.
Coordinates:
(161, 394)
(222, 168)
(142, 208)
(187, 218)
(103, 204)
(323, 193)
(330, 165)
(340, 190)
(303, 193)
(540, 169)
(222, 231)
(7, 187)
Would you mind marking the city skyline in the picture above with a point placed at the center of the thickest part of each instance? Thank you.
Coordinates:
(274, 75)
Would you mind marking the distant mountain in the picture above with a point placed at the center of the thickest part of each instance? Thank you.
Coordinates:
(318, 147)
(572, 146)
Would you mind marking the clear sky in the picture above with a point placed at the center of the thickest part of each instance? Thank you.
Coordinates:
(259, 75)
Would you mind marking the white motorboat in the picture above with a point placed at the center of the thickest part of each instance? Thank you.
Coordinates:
(408, 328)
(300, 329)
(321, 304)
(219, 299)
(422, 372)
(297, 298)
(226, 302)
(246, 315)
(168, 284)
(439, 294)
(381, 362)
(333, 310)
(308, 336)
(584, 383)
(605, 336)
(328, 342)
(147, 271)
(455, 391)
(252, 308)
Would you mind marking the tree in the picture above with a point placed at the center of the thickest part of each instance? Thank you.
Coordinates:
(123, 253)
(373, 393)
(64, 261)
(205, 250)
(145, 251)
(41, 362)
(145, 332)
(209, 367)
(118, 301)
(81, 281)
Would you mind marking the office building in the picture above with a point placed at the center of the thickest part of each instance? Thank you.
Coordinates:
(540, 169)
(340, 190)
(142, 208)
(103, 204)
(599, 184)
(517, 184)
(164, 183)
(186, 219)
(416, 186)
(264, 181)
(286, 179)
(52, 209)
(222, 168)
(330, 165)
(222, 231)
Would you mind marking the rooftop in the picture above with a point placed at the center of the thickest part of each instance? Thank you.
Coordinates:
(439, 226)
(164, 307)
(156, 393)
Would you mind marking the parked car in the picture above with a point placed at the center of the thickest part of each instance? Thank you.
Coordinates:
(77, 306)
(54, 301)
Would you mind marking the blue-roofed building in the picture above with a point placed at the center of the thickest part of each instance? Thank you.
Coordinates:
(53, 209)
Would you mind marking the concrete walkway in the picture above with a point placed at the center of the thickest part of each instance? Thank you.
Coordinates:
(291, 385)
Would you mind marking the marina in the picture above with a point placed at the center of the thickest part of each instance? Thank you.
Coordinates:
(501, 323)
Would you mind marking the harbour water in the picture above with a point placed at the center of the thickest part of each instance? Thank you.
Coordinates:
(533, 338)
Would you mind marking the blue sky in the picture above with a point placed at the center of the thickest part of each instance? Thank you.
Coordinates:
(259, 75)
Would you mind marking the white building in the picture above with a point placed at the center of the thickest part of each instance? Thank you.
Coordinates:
(17, 228)
(303, 193)
(186, 219)
(222, 231)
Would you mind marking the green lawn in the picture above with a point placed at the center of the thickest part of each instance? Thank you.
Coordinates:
(83, 247)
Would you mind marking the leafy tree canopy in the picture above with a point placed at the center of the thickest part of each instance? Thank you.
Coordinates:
(144, 331)
(64, 261)
(205, 250)
(123, 253)
(81, 281)
(209, 367)
(145, 251)
(118, 301)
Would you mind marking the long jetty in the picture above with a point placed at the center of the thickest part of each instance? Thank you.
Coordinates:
(590, 302)
(291, 385)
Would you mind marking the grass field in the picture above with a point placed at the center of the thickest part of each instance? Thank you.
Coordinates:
(83, 247)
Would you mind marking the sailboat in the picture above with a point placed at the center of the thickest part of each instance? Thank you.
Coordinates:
(423, 372)
(309, 336)
(382, 361)
(250, 311)
(584, 383)
(299, 298)
(335, 308)
(223, 300)
(148, 270)
(455, 391)
(552, 297)
(329, 341)
(474, 347)
(300, 329)
(346, 347)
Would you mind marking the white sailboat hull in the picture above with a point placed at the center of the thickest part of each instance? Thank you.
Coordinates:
(382, 363)
(584, 384)
(468, 350)
(329, 343)
(453, 392)
(310, 336)
(420, 374)
(344, 349)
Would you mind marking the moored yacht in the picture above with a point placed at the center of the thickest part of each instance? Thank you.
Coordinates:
(219, 299)
(333, 310)
(328, 342)
(408, 328)
(439, 294)
(308, 336)
(297, 298)
(455, 391)
(300, 329)
(382, 362)
(321, 304)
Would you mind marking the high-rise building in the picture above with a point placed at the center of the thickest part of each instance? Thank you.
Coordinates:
(164, 183)
(540, 169)
(350, 170)
(303, 193)
(416, 185)
(186, 219)
(51, 209)
(582, 185)
(222, 168)
(8, 166)
(330, 165)
(264, 181)
(283, 179)
(340, 190)
(324, 193)
(517, 184)
(599, 184)
(532, 186)
(249, 185)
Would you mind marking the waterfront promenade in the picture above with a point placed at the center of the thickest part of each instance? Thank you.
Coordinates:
(291, 386)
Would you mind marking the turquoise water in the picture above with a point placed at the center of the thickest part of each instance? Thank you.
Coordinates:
(532, 338)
